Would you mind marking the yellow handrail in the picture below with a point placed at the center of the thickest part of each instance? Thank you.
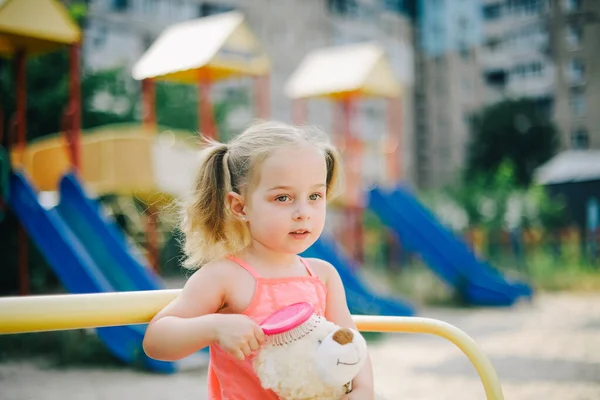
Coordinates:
(80, 311)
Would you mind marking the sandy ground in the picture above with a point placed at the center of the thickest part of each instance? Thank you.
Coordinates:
(548, 349)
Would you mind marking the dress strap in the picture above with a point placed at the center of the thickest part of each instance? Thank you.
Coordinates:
(246, 266)
(310, 271)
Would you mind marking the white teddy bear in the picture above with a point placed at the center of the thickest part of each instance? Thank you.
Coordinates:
(315, 360)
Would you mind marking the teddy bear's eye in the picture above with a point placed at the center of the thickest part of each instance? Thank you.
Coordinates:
(320, 341)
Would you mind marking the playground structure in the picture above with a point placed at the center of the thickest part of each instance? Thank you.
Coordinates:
(25, 33)
(89, 254)
(203, 51)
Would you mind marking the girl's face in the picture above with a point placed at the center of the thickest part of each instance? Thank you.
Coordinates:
(286, 209)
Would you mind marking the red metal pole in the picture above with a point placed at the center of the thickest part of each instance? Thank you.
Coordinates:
(21, 100)
(149, 104)
(21, 122)
(353, 155)
(206, 123)
(75, 106)
(393, 150)
(262, 96)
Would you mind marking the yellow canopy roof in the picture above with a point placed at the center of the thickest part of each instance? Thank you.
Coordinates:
(35, 25)
(118, 159)
(221, 44)
(357, 69)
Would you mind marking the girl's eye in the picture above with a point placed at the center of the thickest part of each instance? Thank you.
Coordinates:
(315, 196)
(282, 198)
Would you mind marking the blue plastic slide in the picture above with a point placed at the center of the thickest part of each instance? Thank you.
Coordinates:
(449, 257)
(103, 240)
(76, 266)
(361, 300)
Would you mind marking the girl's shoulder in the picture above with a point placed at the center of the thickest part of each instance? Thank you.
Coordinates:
(321, 268)
(218, 272)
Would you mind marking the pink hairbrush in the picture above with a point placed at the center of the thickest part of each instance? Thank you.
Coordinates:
(290, 323)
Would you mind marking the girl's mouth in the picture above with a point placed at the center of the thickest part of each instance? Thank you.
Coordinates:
(300, 234)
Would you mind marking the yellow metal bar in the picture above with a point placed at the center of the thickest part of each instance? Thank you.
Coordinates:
(79, 311)
(487, 374)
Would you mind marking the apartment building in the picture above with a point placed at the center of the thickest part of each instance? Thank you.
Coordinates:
(544, 49)
(448, 86)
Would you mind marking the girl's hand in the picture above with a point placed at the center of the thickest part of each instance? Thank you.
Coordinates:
(238, 335)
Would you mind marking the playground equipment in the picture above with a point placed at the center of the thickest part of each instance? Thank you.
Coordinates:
(145, 160)
(60, 312)
(448, 256)
(28, 31)
(157, 165)
(72, 248)
(203, 51)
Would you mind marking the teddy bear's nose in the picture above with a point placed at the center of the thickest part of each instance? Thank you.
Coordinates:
(343, 336)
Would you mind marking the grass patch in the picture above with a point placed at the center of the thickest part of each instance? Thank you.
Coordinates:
(549, 274)
(544, 271)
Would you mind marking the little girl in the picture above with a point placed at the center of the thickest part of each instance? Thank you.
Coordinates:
(259, 201)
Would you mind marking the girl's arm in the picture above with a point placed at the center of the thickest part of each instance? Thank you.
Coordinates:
(187, 324)
(337, 312)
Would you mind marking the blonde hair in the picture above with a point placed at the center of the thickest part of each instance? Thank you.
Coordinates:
(210, 230)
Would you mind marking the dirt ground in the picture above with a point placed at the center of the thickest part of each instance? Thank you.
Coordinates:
(548, 349)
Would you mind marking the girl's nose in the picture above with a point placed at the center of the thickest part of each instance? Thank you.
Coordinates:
(301, 212)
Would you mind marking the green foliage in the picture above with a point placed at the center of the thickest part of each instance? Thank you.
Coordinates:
(498, 202)
(177, 107)
(517, 131)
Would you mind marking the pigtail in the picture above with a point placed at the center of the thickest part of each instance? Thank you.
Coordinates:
(334, 180)
(205, 217)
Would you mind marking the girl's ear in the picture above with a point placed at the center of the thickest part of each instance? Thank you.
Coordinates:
(236, 203)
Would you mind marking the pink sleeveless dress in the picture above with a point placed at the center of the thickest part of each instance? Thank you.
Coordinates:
(231, 379)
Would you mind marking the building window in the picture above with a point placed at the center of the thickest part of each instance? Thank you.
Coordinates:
(343, 7)
(576, 71)
(492, 11)
(525, 7)
(572, 5)
(398, 6)
(205, 9)
(528, 70)
(577, 102)
(574, 36)
(100, 35)
(120, 5)
(580, 139)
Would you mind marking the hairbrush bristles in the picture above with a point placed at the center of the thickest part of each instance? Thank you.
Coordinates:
(296, 333)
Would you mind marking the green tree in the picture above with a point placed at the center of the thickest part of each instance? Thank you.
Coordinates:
(517, 131)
